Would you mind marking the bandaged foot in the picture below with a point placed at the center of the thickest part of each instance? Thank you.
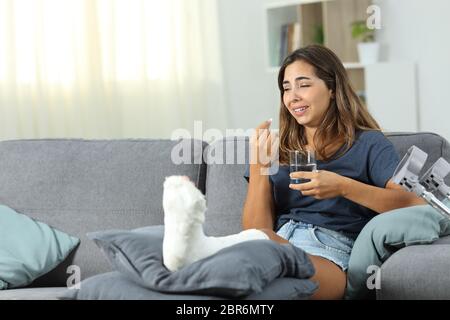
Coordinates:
(184, 213)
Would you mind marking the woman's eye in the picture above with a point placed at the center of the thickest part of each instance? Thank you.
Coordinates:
(286, 89)
(305, 86)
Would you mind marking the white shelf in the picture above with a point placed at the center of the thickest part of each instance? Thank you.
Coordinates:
(347, 66)
(353, 65)
(289, 3)
(334, 16)
(276, 16)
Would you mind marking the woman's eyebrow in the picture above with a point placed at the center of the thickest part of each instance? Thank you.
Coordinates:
(297, 79)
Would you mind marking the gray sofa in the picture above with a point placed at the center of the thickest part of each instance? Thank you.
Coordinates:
(80, 186)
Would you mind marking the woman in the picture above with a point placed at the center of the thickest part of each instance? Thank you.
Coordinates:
(320, 111)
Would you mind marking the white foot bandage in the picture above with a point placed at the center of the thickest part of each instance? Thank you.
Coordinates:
(184, 213)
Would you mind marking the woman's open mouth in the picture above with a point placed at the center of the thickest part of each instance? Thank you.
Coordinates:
(300, 111)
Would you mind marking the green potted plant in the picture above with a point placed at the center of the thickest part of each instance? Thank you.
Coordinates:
(319, 36)
(368, 48)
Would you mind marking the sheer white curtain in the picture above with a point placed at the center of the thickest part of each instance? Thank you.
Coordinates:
(108, 68)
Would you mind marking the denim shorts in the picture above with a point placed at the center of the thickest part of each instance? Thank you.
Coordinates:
(318, 241)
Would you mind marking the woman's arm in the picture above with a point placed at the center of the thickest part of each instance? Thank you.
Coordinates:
(258, 210)
(379, 199)
(326, 184)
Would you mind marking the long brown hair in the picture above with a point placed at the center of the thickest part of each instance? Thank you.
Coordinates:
(345, 115)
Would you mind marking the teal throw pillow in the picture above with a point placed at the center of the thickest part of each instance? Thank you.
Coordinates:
(29, 249)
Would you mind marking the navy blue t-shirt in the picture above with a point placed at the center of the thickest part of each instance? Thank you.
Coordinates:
(372, 160)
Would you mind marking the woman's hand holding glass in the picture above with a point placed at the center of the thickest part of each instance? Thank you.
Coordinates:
(322, 185)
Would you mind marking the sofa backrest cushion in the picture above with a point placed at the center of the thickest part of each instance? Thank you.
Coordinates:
(80, 186)
(226, 188)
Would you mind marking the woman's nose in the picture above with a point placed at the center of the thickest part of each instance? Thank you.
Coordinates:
(294, 96)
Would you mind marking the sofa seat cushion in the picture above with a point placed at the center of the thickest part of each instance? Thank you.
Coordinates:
(52, 293)
(416, 272)
(443, 240)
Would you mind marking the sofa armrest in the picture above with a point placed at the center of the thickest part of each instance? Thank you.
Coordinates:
(416, 272)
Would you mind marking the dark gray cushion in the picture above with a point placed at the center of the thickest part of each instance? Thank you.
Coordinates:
(116, 286)
(80, 186)
(240, 270)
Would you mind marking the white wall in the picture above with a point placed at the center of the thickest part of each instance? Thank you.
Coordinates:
(412, 30)
(252, 93)
(418, 31)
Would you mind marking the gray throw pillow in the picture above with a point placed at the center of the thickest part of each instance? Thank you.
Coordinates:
(116, 286)
(241, 270)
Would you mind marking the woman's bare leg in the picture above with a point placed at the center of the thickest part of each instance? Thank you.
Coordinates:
(330, 278)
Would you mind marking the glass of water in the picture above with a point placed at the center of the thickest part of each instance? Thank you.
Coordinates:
(300, 160)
